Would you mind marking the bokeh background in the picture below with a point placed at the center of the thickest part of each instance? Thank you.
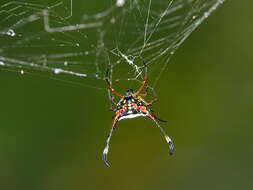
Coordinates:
(52, 134)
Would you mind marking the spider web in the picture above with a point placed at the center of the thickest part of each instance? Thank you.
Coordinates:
(78, 42)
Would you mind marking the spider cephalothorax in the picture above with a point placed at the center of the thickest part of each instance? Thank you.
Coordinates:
(132, 105)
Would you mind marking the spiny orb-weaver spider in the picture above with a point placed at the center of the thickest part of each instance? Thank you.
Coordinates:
(132, 105)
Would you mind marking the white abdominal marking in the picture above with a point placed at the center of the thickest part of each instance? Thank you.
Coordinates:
(132, 116)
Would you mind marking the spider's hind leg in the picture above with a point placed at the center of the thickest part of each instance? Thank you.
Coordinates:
(152, 101)
(161, 120)
(106, 149)
(167, 138)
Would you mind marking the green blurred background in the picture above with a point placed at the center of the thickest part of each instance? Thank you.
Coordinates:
(52, 134)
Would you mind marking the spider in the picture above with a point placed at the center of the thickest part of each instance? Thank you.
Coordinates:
(132, 105)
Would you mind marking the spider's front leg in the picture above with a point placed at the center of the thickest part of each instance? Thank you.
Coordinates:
(109, 84)
(143, 85)
(113, 104)
(144, 82)
(112, 89)
(145, 94)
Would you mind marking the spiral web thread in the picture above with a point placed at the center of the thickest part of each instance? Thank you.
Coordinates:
(44, 38)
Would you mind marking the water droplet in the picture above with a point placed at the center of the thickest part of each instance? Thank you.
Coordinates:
(22, 72)
(57, 71)
(120, 3)
(113, 20)
(77, 44)
(11, 32)
(2, 63)
(33, 17)
(65, 63)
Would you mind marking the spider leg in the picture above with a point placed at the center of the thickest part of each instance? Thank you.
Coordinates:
(145, 81)
(152, 101)
(106, 149)
(154, 116)
(109, 83)
(167, 138)
(112, 102)
(143, 84)
(112, 89)
(143, 95)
